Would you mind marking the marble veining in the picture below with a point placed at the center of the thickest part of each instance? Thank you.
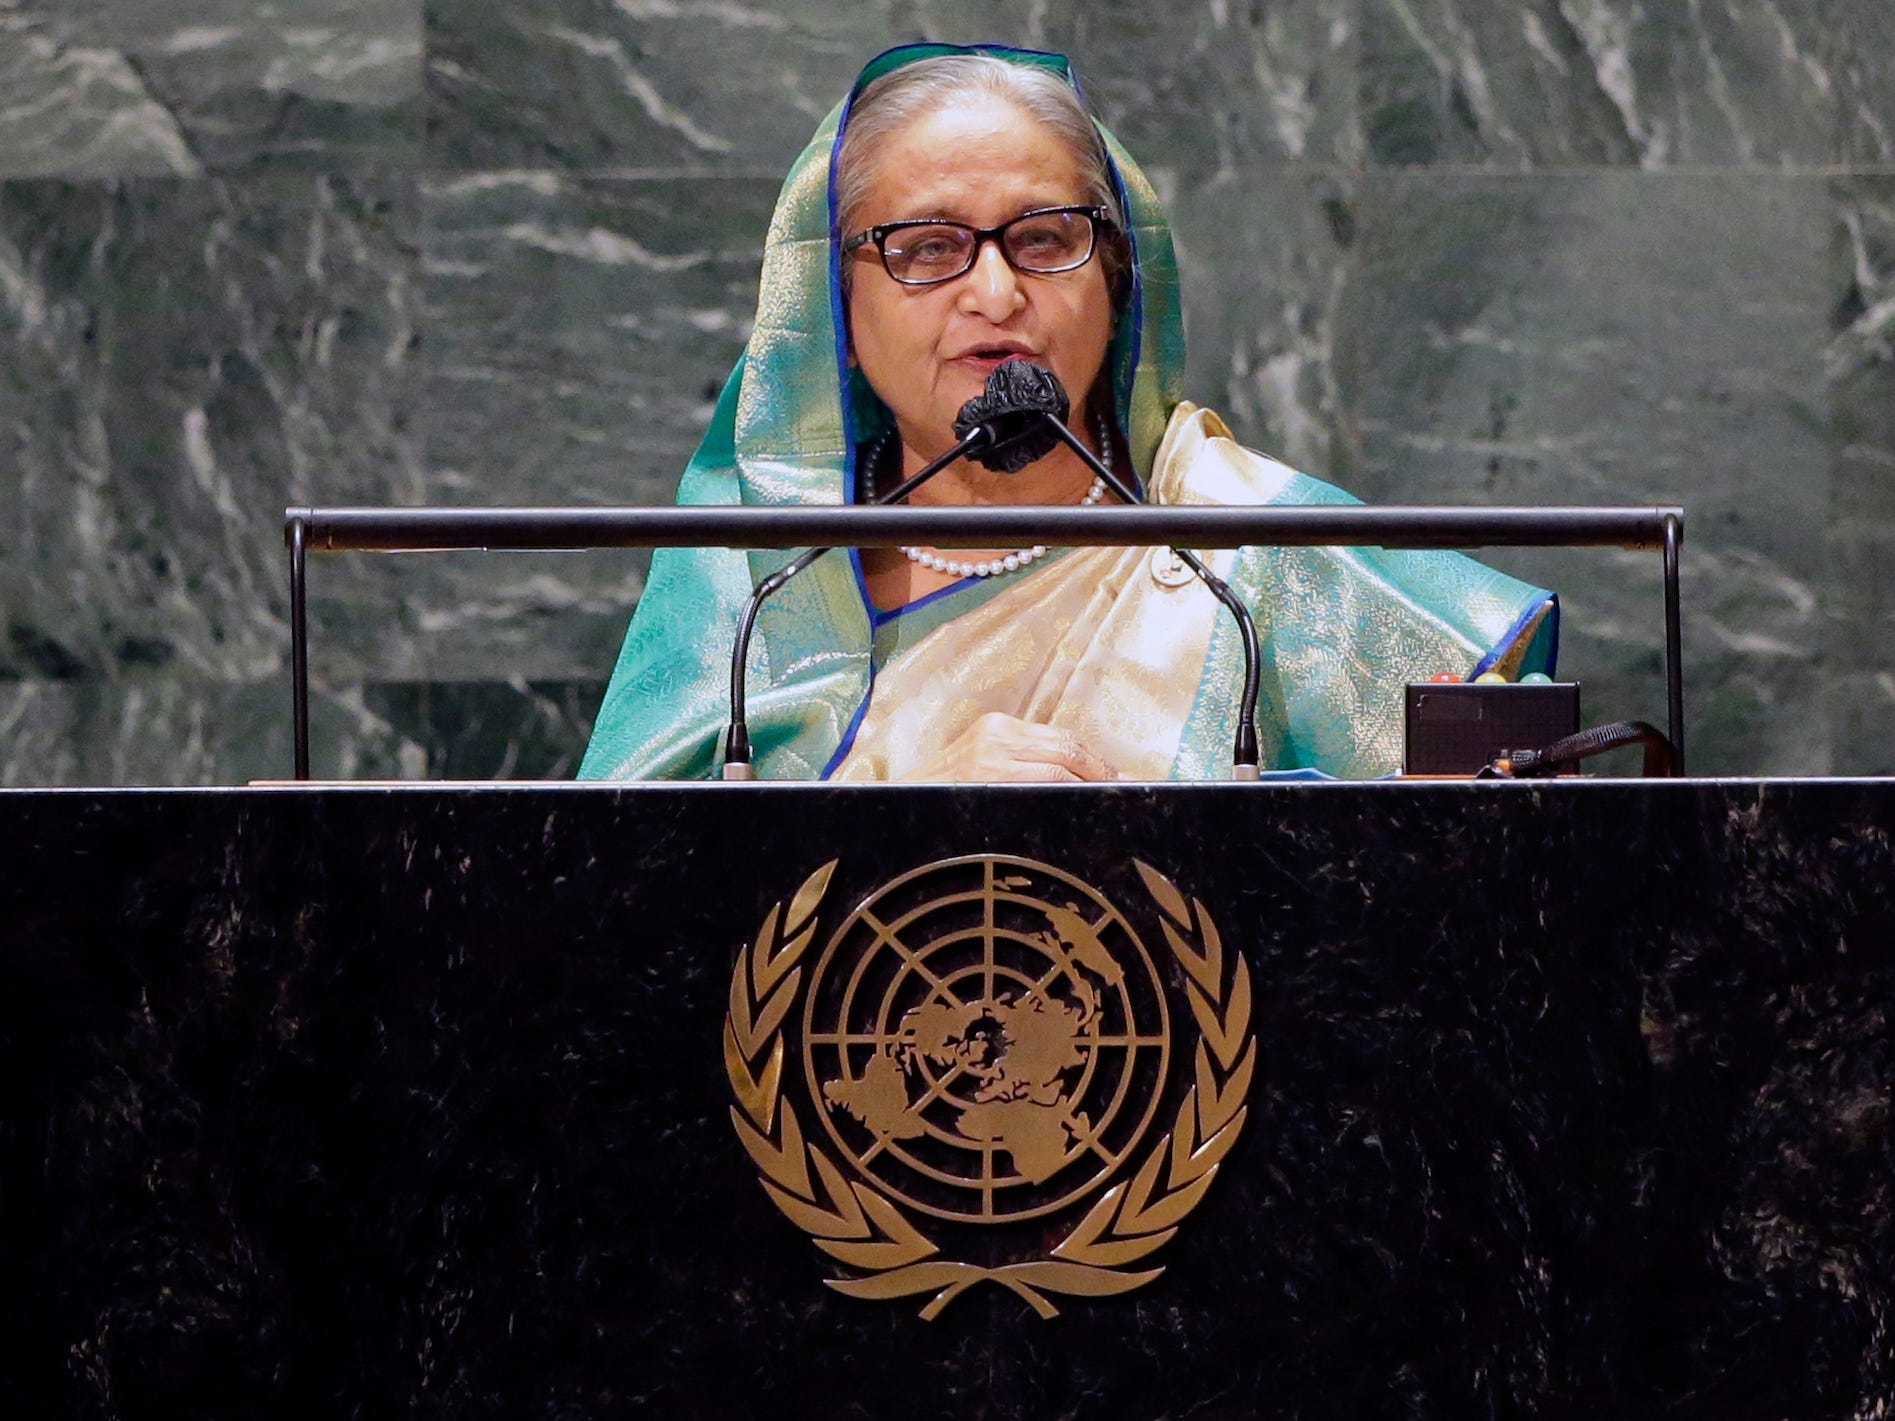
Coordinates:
(1859, 620)
(1760, 82)
(163, 86)
(1484, 366)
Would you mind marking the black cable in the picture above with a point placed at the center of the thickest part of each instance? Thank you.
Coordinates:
(1543, 764)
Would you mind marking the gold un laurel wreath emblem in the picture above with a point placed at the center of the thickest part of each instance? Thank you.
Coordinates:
(986, 1042)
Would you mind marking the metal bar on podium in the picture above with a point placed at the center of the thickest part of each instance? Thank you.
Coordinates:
(297, 532)
(857, 525)
(1657, 529)
(1674, 656)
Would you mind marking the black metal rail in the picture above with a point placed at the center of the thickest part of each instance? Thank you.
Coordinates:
(569, 529)
(390, 530)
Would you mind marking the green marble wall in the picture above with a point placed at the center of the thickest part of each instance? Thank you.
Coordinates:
(368, 251)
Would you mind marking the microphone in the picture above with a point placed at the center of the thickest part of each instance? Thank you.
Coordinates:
(998, 425)
(1041, 389)
(1018, 395)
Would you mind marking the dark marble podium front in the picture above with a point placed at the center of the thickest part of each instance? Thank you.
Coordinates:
(1571, 1100)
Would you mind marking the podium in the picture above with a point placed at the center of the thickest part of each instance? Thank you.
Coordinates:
(1562, 1099)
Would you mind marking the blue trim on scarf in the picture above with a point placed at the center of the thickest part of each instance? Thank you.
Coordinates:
(838, 315)
(879, 618)
(937, 49)
(855, 724)
(1135, 312)
(1551, 601)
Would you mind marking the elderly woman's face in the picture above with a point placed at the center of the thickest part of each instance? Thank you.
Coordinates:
(927, 350)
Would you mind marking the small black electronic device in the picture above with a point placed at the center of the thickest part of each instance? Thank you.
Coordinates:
(1459, 728)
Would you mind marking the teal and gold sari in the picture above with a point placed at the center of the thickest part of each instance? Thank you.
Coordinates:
(1141, 665)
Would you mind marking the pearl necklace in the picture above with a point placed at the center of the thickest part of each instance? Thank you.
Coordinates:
(1013, 561)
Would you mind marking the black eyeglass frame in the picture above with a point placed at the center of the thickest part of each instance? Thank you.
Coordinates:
(1100, 217)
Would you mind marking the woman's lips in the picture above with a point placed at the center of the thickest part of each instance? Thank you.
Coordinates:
(985, 361)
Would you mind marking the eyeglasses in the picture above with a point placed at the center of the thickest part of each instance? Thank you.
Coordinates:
(921, 251)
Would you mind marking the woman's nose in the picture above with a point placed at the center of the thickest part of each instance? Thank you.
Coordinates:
(992, 287)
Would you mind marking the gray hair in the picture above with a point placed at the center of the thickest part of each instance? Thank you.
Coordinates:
(901, 96)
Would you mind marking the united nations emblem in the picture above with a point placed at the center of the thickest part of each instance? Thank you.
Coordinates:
(984, 1042)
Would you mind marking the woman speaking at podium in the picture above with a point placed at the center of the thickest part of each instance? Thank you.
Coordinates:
(962, 208)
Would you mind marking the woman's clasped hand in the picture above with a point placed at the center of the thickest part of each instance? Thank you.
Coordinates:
(1003, 749)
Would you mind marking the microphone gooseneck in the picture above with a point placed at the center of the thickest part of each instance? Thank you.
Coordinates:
(737, 733)
(1244, 753)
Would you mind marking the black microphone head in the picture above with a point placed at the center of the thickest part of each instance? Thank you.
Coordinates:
(1018, 393)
